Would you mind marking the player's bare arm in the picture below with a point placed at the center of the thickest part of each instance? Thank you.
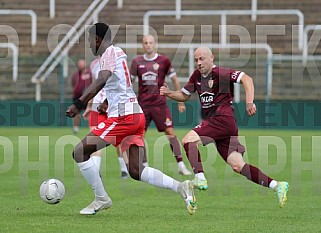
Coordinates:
(91, 91)
(249, 94)
(177, 86)
(85, 115)
(96, 86)
(175, 95)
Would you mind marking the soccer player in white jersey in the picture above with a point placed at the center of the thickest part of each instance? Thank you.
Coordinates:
(94, 118)
(124, 126)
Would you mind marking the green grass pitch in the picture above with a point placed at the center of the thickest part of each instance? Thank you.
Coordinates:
(231, 204)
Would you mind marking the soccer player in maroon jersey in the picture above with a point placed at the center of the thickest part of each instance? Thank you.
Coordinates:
(80, 80)
(214, 85)
(151, 70)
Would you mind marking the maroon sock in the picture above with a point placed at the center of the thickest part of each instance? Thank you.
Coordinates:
(256, 175)
(176, 148)
(194, 157)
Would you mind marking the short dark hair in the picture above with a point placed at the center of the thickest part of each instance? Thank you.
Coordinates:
(102, 30)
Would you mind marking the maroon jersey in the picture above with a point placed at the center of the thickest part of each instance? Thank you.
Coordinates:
(80, 82)
(216, 91)
(151, 75)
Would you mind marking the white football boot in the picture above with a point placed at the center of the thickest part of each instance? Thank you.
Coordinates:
(97, 205)
(185, 189)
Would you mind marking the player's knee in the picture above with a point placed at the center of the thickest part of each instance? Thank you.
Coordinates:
(136, 155)
(134, 173)
(188, 139)
(184, 141)
(79, 155)
(76, 155)
(235, 160)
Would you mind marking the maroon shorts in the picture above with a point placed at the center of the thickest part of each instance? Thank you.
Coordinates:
(160, 115)
(223, 131)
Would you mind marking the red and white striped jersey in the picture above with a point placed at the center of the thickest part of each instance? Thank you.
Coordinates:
(118, 88)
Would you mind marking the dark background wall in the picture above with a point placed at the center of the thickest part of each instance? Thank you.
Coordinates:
(283, 115)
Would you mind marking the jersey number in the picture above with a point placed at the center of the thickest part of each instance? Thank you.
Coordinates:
(128, 82)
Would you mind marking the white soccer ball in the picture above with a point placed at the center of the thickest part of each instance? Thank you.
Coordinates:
(52, 191)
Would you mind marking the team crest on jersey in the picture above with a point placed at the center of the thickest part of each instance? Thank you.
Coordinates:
(155, 66)
(101, 125)
(210, 83)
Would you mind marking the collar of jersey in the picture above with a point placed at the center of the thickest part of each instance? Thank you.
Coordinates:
(150, 59)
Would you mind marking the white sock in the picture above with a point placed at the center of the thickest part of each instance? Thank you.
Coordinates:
(97, 160)
(91, 174)
(200, 176)
(273, 184)
(181, 164)
(122, 164)
(159, 179)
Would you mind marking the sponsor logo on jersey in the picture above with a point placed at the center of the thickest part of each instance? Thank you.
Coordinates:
(207, 97)
(149, 76)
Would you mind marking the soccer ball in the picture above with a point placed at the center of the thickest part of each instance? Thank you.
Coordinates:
(52, 191)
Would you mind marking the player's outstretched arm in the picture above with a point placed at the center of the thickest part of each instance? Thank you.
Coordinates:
(95, 86)
(91, 91)
(86, 113)
(177, 86)
(175, 95)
